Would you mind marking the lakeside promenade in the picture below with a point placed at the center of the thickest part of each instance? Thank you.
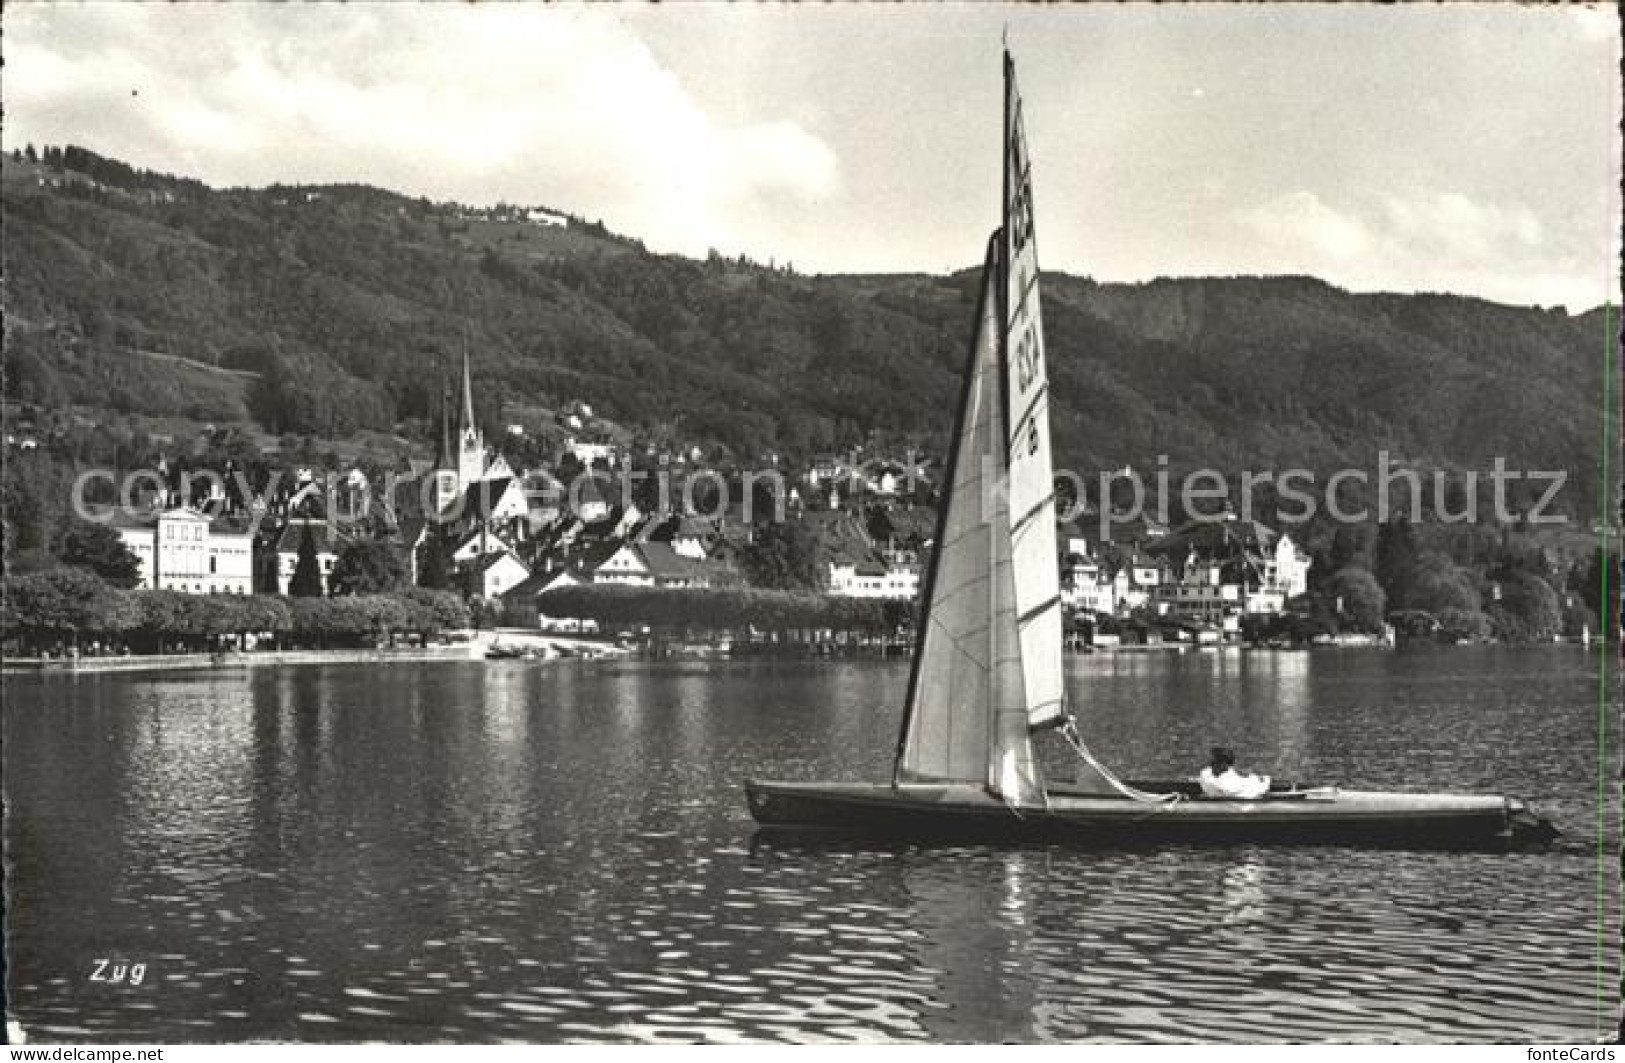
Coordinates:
(474, 649)
(546, 645)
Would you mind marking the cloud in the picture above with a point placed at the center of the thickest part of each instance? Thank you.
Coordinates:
(1430, 241)
(1449, 227)
(1473, 148)
(515, 102)
(1300, 225)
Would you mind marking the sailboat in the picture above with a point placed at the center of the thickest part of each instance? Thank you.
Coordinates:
(987, 684)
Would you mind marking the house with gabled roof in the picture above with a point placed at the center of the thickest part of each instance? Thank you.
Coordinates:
(496, 501)
(1218, 570)
(492, 574)
(693, 537)
(327, 538)
(873, 577)
(544, 498)
(527, 597)
(650, 564)
(853, 566)
(476, 543)
(588, 500)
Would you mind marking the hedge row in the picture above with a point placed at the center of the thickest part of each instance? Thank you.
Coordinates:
(71, 602)
(730, 609)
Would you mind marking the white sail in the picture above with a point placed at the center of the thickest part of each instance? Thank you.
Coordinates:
(1033, 552)
(989, 669)
(1012, 770)
(967, 713)
(948, 727)
(1031, 473)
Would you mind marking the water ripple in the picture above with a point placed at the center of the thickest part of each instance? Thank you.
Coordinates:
(358, 853)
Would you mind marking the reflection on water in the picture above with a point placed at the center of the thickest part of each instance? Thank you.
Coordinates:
(559, 851)
(1243, 893)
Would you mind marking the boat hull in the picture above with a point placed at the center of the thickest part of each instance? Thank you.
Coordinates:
(1342, 817)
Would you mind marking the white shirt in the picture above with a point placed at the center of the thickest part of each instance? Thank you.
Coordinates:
(1230, 783)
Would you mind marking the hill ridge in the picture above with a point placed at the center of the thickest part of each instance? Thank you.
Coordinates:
(348, 304)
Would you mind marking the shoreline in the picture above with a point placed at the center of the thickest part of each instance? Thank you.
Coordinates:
(475, 650)
(472, 650)
(176, 662)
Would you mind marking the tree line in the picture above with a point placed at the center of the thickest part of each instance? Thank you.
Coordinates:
(1459, 583)
(71, 608)
(679, 610)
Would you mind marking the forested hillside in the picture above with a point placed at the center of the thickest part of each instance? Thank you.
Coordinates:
(329, 310)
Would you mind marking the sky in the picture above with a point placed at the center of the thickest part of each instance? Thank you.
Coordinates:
(1458, 147)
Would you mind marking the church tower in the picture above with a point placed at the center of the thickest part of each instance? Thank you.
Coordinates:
(446, 486)
(470, 440)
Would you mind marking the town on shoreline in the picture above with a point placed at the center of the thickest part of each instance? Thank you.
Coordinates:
(234, 462)
(224, 551)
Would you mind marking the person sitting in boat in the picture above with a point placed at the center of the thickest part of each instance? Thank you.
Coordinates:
(1221, 779)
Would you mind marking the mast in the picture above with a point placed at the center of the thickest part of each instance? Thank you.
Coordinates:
(1025, 377)
(1030, 500)
(996, 749)
(967, 719)
(1009, 68)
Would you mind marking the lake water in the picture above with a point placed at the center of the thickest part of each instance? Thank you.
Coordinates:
(543, 851)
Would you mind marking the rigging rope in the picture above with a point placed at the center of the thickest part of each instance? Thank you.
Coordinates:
(1069, 731)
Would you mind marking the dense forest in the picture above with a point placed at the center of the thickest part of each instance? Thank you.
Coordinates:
(330, 310)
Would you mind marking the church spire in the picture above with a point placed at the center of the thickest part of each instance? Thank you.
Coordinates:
(472, 460)
(446, 460)
(447, 466)
(467, 424)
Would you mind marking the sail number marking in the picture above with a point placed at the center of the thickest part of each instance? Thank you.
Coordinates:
(1030, 432)
(1028, 365)
(1026, 361)
(1028, 349)
(1021, 218)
